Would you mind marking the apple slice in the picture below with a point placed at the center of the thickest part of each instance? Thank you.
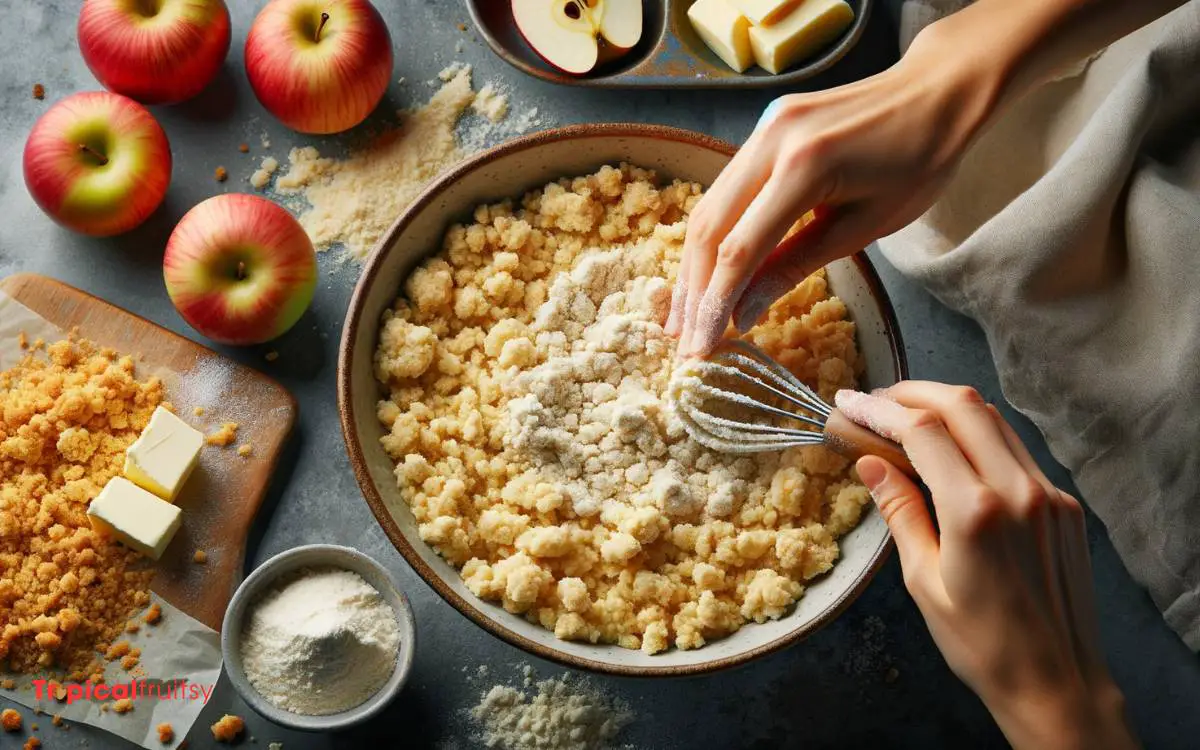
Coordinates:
(577, 35)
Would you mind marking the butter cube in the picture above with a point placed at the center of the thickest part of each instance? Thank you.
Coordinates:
(800, 34)
(134, 517)
(161, 460)
(724, 30)
(764, 12)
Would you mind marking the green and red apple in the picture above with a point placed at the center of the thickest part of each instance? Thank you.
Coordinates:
(97, 163)
(320, 66)
(154, 51)
(575, 36)
(240, 269)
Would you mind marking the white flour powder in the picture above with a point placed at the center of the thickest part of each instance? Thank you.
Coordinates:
(320, 643)
(554, 715)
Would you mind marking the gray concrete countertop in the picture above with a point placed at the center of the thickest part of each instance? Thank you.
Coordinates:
(832, 691)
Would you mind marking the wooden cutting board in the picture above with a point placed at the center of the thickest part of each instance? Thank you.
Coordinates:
(225, 492)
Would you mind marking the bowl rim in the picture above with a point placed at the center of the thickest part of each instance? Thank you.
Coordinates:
(264, 575)
(473, 610)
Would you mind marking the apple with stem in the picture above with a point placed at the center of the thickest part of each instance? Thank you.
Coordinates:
(154, 51)
(240, 269)
(575, 36)
(97, 163)
(320, 66)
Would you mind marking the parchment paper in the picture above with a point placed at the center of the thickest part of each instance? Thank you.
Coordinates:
(179, 652)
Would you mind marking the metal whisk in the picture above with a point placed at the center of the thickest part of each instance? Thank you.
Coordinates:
(713, 397)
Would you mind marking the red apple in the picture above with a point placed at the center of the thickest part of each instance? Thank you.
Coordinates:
(155, 51)
(97, 163)
(320, 66)
(240, 269)
(575, 36)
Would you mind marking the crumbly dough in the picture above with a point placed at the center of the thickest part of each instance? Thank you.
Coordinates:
(66, 418)
(527, 368)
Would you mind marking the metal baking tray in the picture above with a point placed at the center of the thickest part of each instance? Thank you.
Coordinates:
(669, 55)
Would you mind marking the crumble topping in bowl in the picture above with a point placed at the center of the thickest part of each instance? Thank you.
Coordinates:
(528, 370)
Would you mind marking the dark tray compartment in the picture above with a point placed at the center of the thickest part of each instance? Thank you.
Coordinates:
(669, 55)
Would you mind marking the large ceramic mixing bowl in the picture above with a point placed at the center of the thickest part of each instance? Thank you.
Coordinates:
(507, 172)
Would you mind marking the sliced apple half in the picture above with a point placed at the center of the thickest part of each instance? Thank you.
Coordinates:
(577, 35)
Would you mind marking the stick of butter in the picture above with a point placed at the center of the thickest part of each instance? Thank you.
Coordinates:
(161, 460)
(764, 12)
(804, 31)
(724, 30)
(134, 517)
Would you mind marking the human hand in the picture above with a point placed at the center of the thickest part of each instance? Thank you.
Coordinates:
(870, 157)
(1006, 587)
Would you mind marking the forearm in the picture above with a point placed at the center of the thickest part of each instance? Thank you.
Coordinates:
(1085, 719)
(1004, 48)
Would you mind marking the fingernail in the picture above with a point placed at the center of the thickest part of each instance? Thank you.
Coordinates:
(709, 326)
(747, 317)
(876, 414)
(678, 301)
(872, 472)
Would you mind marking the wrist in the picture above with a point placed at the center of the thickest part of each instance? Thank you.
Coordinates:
(1081, 719)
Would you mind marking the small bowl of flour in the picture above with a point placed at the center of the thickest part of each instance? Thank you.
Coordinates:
(319, 638)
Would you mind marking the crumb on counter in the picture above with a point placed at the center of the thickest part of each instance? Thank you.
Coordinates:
(227, 728)
(198, 411)
(199, 557)
(22, 340)
(39, 91)
(32, 743)
(220, 174)
(122, 705)
(153, 614)
(224, 436)
(117, 650)
(462, 27)
(10, 720)
(271, 356)
(166, 732)
(245, 450)
(56, 720)
(262, 175)
(244, 148)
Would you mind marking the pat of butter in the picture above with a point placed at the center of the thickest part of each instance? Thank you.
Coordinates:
(161, 460)
(724, 30)
(134, 517)
(800, 34)
(764, 12)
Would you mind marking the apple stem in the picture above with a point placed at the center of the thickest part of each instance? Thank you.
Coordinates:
(241, 270)
(324, 19)
(95, 154)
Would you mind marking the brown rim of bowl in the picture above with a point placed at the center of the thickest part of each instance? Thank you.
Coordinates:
(473, 610)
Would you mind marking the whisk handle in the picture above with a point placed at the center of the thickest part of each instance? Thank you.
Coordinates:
(854, 442)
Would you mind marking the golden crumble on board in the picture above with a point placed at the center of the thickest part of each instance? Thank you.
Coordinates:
(66, 418)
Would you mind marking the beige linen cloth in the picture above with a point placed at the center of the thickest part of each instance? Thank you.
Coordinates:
(1072, 234)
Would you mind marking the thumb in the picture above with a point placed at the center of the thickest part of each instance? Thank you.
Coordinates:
(830, 235)
(902, 506)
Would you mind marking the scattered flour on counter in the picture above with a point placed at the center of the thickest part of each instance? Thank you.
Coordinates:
(491, 103)
(353, 201)
(262, 175)
(553, 714)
